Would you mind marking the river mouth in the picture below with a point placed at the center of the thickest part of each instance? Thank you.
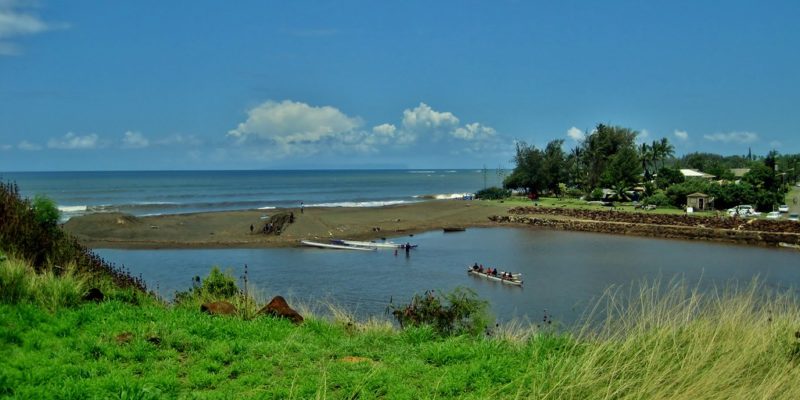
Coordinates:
(564, 273)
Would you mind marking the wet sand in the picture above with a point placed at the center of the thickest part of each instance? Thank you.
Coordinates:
(232, 228)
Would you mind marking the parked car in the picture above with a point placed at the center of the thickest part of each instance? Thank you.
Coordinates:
(794, 217)
(783, 208)
(744, 210)
(773, 215)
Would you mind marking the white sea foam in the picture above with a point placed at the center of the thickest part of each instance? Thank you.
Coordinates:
(444, 196)
(421, 172)
(361, 203)
(71, 209)
(266, 208)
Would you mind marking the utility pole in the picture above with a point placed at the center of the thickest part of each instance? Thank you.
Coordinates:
(484, 176)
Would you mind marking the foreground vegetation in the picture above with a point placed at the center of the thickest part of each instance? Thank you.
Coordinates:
(663, 341)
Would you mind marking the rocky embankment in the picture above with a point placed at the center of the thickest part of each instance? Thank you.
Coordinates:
(722, 228)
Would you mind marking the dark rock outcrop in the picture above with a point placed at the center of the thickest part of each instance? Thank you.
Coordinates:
(218, 308)
(278, 307)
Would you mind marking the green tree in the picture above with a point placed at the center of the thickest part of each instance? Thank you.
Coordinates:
(600, 147)
(623, 171)
(554, 164)
(529, 172)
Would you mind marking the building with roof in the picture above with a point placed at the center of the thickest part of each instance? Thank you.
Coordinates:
(693, 173)
(700, 201)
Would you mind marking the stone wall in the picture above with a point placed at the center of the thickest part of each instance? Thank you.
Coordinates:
(653, 225)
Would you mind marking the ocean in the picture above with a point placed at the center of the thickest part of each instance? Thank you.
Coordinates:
(143, 193)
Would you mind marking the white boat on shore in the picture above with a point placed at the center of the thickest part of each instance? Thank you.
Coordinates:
(335, 246)
(515, 280)
(380, 245)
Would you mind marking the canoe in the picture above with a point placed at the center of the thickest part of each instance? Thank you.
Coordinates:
(335, 246)
(516, 281)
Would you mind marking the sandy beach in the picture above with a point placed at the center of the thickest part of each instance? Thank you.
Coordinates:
(232, 228)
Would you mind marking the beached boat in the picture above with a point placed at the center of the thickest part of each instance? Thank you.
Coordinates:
(453, 229)
(516, 279)
(335, 246)
(380, 245)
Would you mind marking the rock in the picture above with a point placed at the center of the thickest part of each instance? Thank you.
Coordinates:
(94, 294)
(218, 308)
(278, 307)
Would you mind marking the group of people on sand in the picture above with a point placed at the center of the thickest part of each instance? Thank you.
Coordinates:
(491, 272)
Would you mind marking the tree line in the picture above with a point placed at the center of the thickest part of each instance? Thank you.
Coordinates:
(610, 158)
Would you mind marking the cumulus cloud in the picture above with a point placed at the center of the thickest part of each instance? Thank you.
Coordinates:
(179, 139)
(732, 137)
(290, 122)
(278, 129)
(576, 134)
(134, 140)
(473, 131)
(17, 21)
(423, 117)
(71, 141)
(28, 146)
(681, 135)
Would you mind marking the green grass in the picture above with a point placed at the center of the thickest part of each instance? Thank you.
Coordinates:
(663, 341)
(583, 205)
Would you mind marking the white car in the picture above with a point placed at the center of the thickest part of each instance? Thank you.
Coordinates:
(773, 215)
(794, 217)
(743, 210)
(783, 208)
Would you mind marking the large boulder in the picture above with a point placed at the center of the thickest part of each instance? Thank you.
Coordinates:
(218, 308)
(278, 307)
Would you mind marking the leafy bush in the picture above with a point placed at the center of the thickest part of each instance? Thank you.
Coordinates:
(454, 313)
(216, 286)
(493, 193)
(573, 193)
(45, 210)
(658, 199)
(596, 194)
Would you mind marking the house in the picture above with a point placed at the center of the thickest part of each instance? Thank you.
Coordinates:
(693, 173)
(700, 201)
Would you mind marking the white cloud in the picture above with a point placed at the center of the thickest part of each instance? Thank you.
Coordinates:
(473, 131)
(385, 129)
(681, 135)
(6, 147)
(71, 141)
(290, 122)
(15, 21)
(423, 116)
(732, 137)
(179, 139)
(134, 140)
(576, 134)
(28, 146)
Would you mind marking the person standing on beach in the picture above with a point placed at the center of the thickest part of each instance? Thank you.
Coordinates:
(251, 228)
(301, 207)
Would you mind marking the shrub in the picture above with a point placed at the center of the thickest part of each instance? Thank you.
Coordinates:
(454, 313)
(493, 193)
(658, 199)
(45, 210)
(217, 285)
(596, 194)
(573, 193)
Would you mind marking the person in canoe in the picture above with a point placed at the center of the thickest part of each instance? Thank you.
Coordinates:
(475, 267)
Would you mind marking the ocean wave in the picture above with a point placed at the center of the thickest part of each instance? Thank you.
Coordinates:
(72, 209)
(422, 172)
(379, 203)
(443, 196)
(266, 208)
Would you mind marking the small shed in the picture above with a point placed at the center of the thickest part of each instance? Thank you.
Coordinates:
(700, 201)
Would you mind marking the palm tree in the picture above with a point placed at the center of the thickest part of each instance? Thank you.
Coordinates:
(667, 150)
(645, 156)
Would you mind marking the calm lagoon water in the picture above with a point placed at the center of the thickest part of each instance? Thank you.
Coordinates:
(564, 271)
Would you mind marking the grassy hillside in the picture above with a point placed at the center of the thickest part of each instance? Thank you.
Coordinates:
(661, 342)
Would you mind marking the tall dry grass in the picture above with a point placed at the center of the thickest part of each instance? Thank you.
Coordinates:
(674, 341)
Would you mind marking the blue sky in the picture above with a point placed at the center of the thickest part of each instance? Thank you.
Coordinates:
(98, 85)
